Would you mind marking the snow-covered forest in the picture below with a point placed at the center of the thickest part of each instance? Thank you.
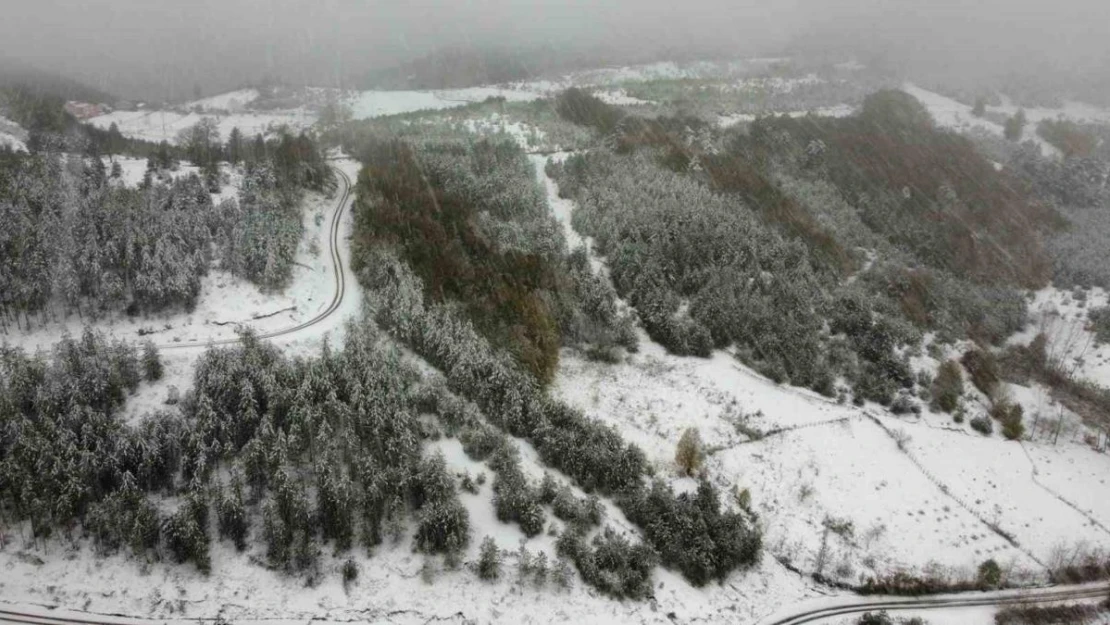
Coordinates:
(78, 241)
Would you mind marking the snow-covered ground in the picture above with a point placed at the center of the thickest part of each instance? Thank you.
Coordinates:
(950, 113)
(370, 104)
(619, 97)
(165, 125)
(389, 588)
(232, 101)
(1062, 317)
(841, 110)
(12, 135)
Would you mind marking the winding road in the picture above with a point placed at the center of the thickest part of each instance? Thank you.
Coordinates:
(338, 271)
(860, 605)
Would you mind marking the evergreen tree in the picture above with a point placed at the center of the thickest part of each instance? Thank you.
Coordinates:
(235, 146)
(1015, 126)
(152, 362)
(489, 560)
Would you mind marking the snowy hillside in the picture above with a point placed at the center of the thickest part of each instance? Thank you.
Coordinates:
(232, 101)
(631, 318)
(11, 135)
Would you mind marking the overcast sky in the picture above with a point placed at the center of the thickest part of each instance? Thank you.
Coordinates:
(134, 47)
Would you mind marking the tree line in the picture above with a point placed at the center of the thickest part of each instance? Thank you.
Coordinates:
(79, 241)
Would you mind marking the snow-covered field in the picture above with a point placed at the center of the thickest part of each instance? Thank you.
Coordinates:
(370, 104)
(231, 101)
(165, 125)
(949, 113)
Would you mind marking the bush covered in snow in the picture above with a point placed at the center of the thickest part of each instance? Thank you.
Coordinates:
(610, 562)
(948, 386)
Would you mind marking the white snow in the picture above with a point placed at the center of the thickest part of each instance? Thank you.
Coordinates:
(12, 135)
(165, 125)
(949, 113)
(840, 110)
(231, 101)
(370, 104)
(619, 97)
(1063, 320)
(1070, 110)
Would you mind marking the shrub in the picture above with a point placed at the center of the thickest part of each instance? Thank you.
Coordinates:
(611, 563)
(1049, 615)
(692, 533)
(982, 425)
(580, 513)
(1010, 416)
(983, 369)
(579, 107)
(947, 387)
(990, 574)
(1099, 319)
(513, 499)
(1068, 137)
(1015, 126)
(689, 455)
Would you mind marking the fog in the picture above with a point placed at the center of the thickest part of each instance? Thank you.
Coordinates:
(160, 49)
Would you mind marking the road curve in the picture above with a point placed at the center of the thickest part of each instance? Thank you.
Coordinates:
(337, 270)
(971, 599)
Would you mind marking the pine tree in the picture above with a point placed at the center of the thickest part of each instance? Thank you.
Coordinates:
(235, 146)
(489, 560)
(152, 362)
(231, 516)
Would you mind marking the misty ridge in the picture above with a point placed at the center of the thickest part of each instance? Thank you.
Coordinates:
(162, 51)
